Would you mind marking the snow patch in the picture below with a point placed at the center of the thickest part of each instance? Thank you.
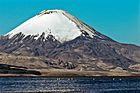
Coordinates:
(63, 26)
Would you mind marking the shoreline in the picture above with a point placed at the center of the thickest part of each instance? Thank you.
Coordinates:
(71, 75)
(12, 72)
(12, 76)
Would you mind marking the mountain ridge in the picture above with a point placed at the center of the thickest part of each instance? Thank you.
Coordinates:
(58, 23)
(89, 50)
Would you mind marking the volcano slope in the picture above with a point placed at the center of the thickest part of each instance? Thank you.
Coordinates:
(56, 43)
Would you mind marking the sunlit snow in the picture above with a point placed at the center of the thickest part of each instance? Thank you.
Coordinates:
(63, 26)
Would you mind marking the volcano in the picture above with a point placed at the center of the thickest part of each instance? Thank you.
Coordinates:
(54, 39)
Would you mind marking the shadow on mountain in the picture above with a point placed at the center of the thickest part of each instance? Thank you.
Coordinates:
(9, 69)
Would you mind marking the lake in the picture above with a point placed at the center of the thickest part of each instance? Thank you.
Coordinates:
(71, 84)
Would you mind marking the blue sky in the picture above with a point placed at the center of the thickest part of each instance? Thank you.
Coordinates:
(118, 19)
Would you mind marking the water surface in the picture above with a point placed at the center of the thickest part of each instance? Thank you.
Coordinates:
(71, 84)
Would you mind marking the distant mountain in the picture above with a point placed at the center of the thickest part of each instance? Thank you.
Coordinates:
(61, 41)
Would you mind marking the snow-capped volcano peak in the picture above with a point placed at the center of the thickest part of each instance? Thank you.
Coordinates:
(60, 24)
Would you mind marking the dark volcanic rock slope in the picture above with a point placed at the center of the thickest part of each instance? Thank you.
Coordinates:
(82, 50)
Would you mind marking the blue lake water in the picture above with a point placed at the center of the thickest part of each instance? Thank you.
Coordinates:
(71, 85)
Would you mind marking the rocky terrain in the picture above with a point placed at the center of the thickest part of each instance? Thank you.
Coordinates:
(83, 55)
(80, 54)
